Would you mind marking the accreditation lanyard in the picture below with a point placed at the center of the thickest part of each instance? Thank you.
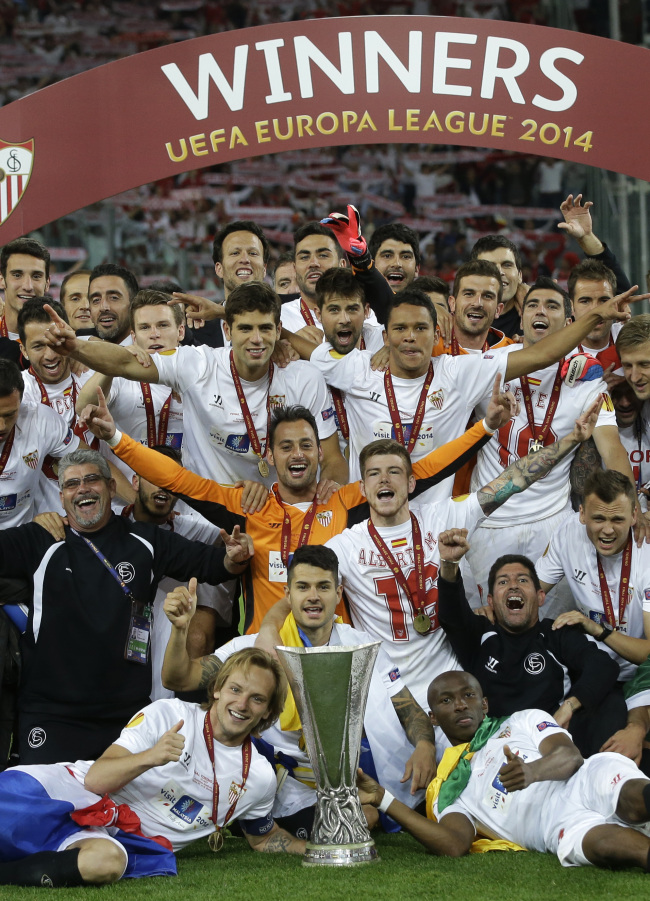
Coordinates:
(137, 642)
(216, 839)
(6, 450)
(538, 437)
(417, 602)
(4, 331)
(248, 419)
(285, 538)
(339, 406)
(307, 314)
(626, 565)
(456, 350)
(419, 410)
(160, 437)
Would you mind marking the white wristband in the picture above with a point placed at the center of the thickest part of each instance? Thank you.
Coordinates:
(386, 801)
(115, 440)
(488, 429)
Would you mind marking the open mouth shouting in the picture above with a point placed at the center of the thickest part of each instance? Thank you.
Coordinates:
(540, 326)
(514, 602)
(395, 277)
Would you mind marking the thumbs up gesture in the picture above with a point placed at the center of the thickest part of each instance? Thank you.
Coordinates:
(169, 746)
(514, 774)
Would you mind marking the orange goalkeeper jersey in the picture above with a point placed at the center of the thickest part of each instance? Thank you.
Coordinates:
(265, 580)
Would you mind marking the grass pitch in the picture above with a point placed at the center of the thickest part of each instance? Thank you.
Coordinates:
(406, 873)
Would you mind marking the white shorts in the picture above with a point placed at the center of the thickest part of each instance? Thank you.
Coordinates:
(590, 800)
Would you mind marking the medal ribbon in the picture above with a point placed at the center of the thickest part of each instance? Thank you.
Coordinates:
(339, 406)
(416, 602)
(419, 412)
(303, 538)
(6, 450)
(456, 348)
(626, 565)
(306, 313)
(4, 331)
(246, 755)
(152, 437)
(246, 413)
(45, 398)
(540, 436)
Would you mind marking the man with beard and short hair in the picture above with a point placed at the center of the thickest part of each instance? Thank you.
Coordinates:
(110, 291)
(521, 661)
(395, 249)
(86, 656)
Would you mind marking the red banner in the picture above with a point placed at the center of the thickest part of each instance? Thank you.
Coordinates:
(327, 82)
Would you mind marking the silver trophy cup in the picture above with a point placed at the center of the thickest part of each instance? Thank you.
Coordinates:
(330, 687)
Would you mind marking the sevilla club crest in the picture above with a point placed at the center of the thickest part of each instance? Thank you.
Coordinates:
(16, 161)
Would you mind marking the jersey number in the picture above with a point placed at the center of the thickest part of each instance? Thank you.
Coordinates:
(388, 588)
(520, 440)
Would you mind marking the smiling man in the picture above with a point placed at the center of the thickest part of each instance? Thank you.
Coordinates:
(525, 782)
(93, 593)
(110, 291)
(521, 660)
(73, 295)
(609, 576)
(395, 249)
(196, 758)
(25, 271)
(398, 732)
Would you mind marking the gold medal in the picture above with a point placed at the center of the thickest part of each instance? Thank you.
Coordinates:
(215, 841)
(263, 468)
(535, 447)
(422, 623)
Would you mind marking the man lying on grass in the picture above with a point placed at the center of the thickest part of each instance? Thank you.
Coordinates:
(177, 773)
(523, 784)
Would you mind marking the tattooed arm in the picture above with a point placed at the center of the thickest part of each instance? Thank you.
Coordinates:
(179, 671)
(421, 766)
(586, 461)
(523, 472)
(275, 841)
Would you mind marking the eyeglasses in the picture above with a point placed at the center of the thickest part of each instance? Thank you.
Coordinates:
(89, 480)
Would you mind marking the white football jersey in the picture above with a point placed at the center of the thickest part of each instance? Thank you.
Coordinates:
(215, 432)
(379, 606)
(526, 817)
(39, 432)
(126, 404)
(571, 555)
(175, 800)
(550, 494)
(636, 441)
(459, 383)
(293, 320)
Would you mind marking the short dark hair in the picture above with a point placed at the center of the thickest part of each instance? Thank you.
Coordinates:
(148, 297)
(172, 452)
(384, 447)
(166, 285)
(634, 333)
(315, 555)
(338, 281)
(315, 228)
(517, 559)
(252, 297)
(122, 272)
(593, 271)
(607, 485)
(431, 284)
(30, 247)
(32, 311)
(240, 225)
(482, 268)
(489, 243)
(397, 232)
(544, 283)
(10, 378)
(294, 413)
(64, 283)
(413, 297)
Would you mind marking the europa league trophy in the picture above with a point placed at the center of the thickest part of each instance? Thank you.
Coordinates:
(330, 688)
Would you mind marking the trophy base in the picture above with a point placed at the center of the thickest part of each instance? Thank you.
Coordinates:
(340, 855)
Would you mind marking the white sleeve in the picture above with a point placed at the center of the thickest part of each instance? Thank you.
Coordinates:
(549, 567)
(59, 439)
(146, 727)
(310, 390)
(235, 644)
(340, 371)
(181, 368)
(476, 374)
(388, 672)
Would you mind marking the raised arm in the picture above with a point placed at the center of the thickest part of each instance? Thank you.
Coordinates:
(552, 348)
(523, 472)
(102, 356)
(179, 671)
